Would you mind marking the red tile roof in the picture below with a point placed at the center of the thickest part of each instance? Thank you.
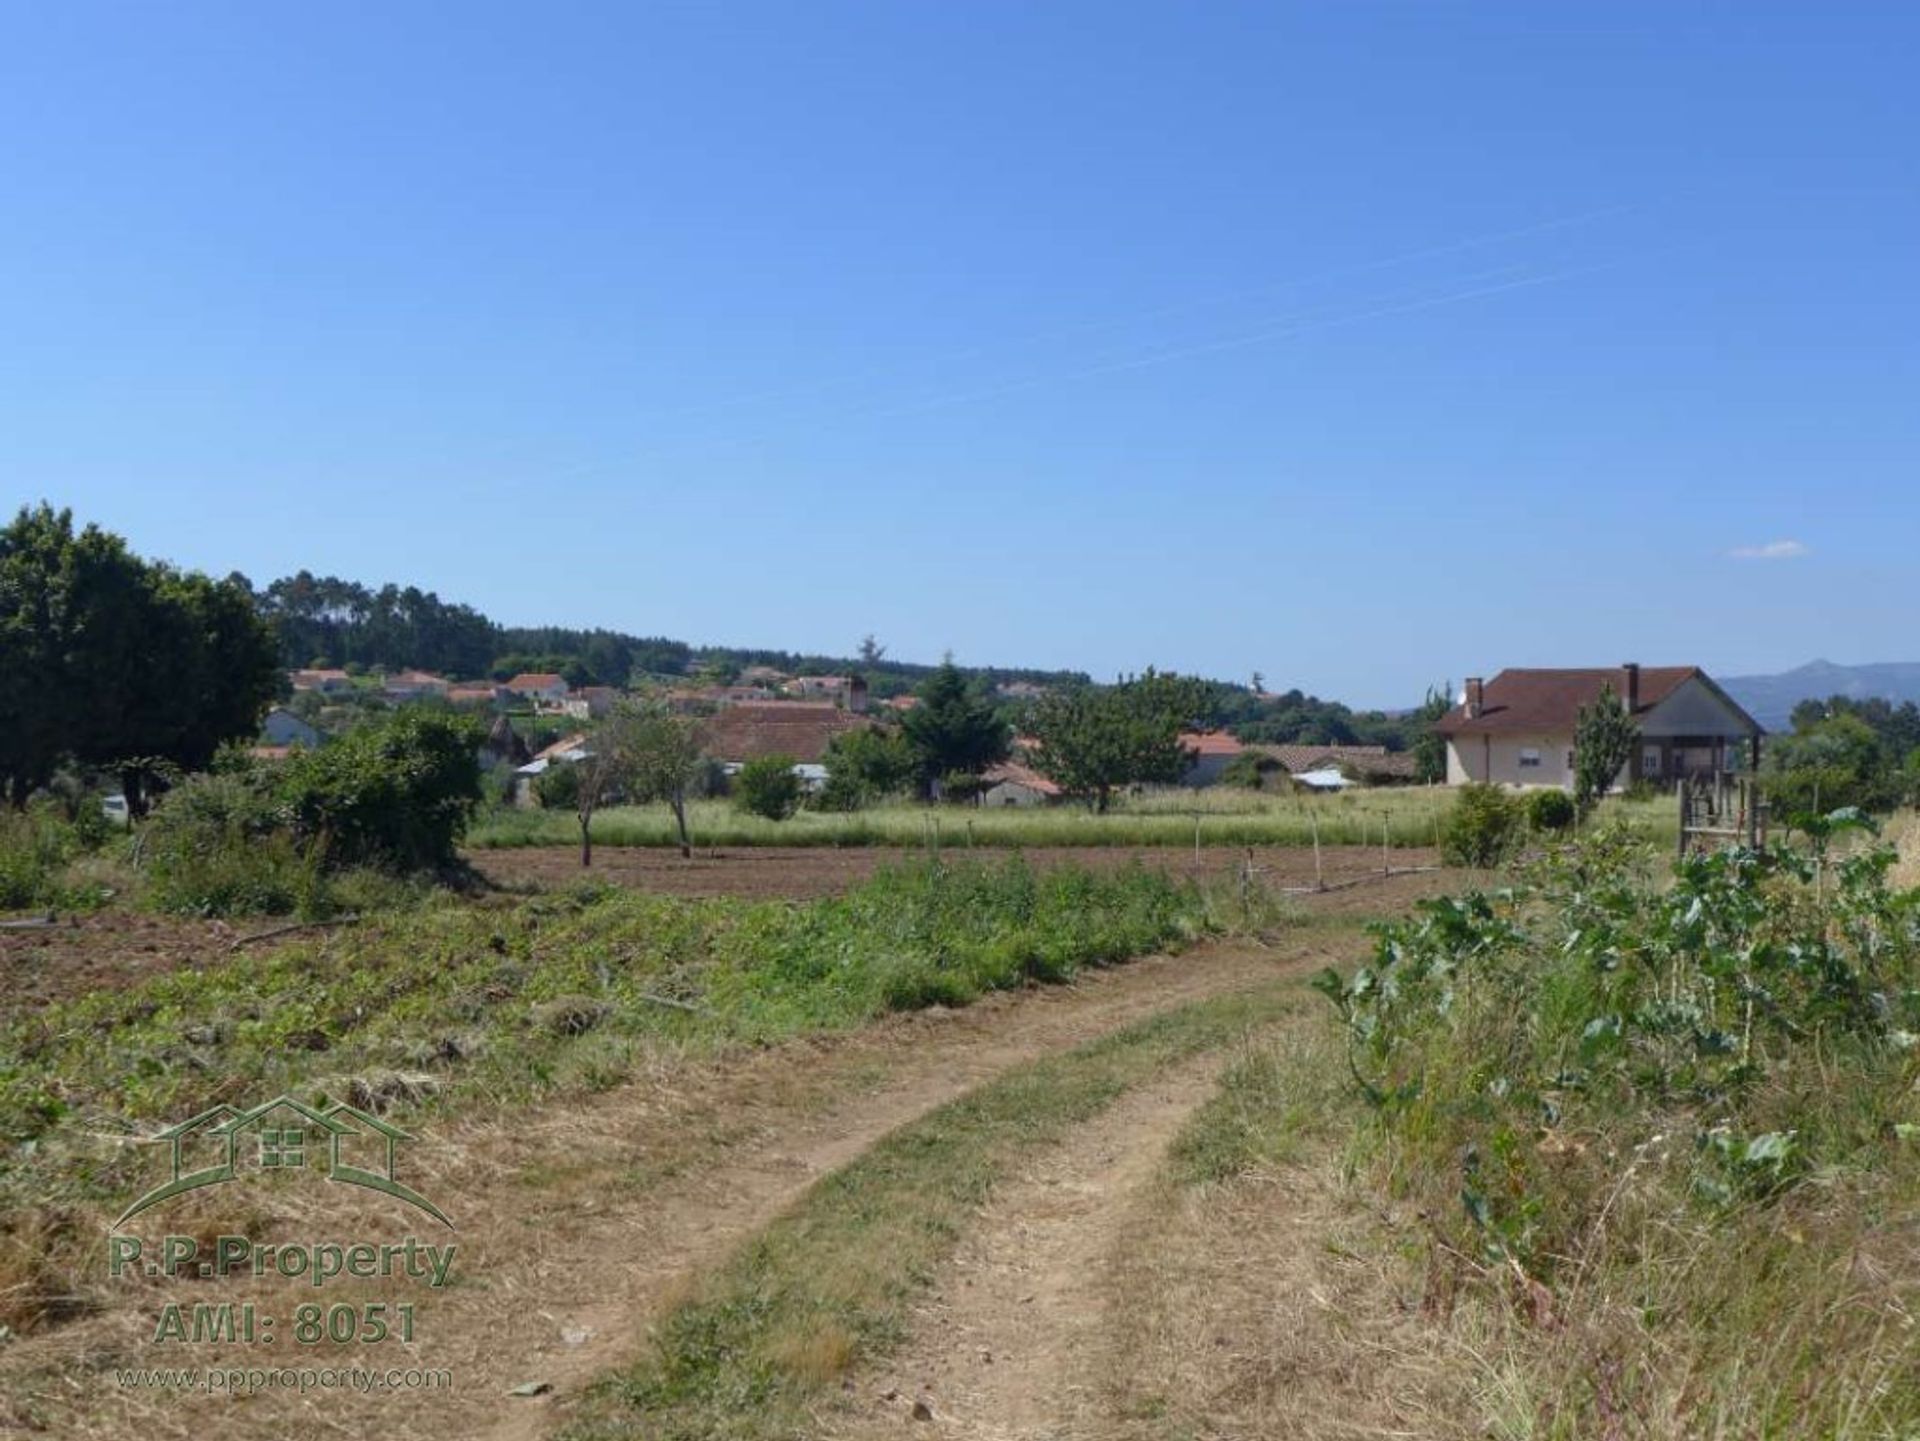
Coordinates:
(534, 680)
(801, 730)
(1369, 760)
(1548, 702)
(1013, 773)
(1211, 743)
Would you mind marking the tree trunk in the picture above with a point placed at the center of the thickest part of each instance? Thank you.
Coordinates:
(586, 838)
(679, 801)
(130, 787)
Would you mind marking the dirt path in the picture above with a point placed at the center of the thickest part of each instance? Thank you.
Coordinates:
(1000, 1351)
(577, 1223)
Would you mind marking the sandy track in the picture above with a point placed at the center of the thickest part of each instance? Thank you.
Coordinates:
(1000, 1351)
(578, 1222)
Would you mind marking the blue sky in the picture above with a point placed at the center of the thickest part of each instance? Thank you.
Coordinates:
(1359, 344)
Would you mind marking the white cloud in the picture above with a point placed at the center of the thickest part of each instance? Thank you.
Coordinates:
(1772, 550)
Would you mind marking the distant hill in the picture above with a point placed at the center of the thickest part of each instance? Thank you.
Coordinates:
(1770, 699)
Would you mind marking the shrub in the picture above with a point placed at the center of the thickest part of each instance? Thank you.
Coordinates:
(395, 795)
(1549, 811)
(35, 847)
(1250, 770)
(1480, 828)
(766, 786)
(558, 787)
(217, 845)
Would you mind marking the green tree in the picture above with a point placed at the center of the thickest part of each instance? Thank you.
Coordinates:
(954, 728)
(1830, 762)
(1429, 746)
(1095, 738)
(664, 761)
(766, 786)
(121, 664)
(864, 765)
(1604, 736)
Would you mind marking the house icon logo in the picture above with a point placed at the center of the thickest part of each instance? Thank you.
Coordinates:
(221, 1144)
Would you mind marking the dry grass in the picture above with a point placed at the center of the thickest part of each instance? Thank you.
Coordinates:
(1259, 1290)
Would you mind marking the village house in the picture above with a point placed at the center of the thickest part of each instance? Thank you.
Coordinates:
(1013, 784)
(567, 751)
(798, 730)
(410, 684)
(1312, 765)
(1213, 752)
(539, 687)
(281, 727)
(478, 694)
(847, 691)
(327, 681)
(1517, 729)
(590, 702)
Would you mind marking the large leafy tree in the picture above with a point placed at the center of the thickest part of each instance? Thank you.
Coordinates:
(954, 729)
(1604, 736)
(1095, 739)
(119, 663)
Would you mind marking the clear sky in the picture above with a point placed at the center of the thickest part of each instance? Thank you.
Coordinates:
(1363, 345)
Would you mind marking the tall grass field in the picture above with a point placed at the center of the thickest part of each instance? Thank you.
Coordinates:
(1398, 817)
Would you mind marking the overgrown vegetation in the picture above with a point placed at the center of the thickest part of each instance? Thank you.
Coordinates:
(1481, 828)
(1668, 1131)
(453, 994)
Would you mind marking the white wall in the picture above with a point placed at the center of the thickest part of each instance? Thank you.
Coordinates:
(1497, 759)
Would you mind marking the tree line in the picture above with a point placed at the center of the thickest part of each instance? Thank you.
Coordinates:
(117, 663)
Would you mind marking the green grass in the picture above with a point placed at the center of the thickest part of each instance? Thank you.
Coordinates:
(508, 1002)
(1406, 816)
(766, 1341)
(1279, 1092)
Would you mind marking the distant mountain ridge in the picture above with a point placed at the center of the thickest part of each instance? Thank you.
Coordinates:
(1770, 699)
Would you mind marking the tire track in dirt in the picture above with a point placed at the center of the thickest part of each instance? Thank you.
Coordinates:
(635, 1192)
(999, 1352)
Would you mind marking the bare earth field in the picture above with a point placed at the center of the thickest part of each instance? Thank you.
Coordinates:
(800, 872)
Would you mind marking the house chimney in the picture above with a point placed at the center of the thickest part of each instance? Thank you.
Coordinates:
(1632, 696)
(1475, 690)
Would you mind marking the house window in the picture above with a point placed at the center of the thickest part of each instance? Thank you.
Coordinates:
(1529, 758)
(284, 1149)
(1650, 761)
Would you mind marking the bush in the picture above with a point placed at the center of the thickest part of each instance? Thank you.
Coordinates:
(36, 846)
(395, 795)
(1549, 811)
(217, 845)
(558, 787)
(1480, 828)
(767, 786)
